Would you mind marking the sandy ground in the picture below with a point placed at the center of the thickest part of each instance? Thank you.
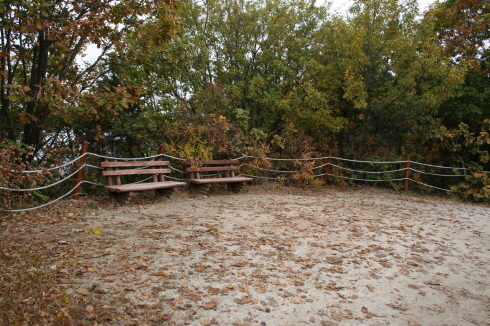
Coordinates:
(282, 257)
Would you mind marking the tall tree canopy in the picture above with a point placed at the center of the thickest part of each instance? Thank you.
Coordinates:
(220, 77)
(288, 71)
(461, 126)
(251, 62)
(463, 30)
(387, 73)
(44, 84)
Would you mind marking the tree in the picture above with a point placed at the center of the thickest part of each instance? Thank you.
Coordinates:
(250, 62)
(463, 30)
(386, 72)
(460, 132)
(44, 86)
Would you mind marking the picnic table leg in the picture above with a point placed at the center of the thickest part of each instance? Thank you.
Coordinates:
(166, 192)
(123, 197)
(112, 199)
(203, 189)
(200, 189)
(158, 194)
(119, 197)
(193, 187)
(236, 187)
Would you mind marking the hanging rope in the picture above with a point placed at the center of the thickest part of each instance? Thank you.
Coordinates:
(47, 204)
(45, 187)
(248, 175)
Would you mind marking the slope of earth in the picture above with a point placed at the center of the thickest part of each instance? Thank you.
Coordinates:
(276, 256)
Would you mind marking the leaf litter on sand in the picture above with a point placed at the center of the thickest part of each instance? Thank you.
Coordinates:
(282, 257)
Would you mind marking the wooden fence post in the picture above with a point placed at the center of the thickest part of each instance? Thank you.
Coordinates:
(161, 148)
(78, 177)
(242, 167)
(327, 168)
(407, 172)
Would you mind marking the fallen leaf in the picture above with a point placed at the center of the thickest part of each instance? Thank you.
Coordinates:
(414, 286)
(400, 306)
(82, 291)
(370, 287)
(243, 300)
(96, 230)
(210, 305)
(336, 316)
(261, 290)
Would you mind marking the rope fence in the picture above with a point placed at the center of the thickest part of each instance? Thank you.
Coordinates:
(325, 169)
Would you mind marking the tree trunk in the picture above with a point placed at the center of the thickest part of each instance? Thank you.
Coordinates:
(36, 112)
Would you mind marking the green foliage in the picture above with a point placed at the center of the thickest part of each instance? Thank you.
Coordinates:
(386, 71)
(268, 78)
(471, 150)
(43, 87)
(249, 61)
(475, 188)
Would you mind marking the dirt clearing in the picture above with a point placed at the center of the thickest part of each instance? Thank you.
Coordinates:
(276, 257)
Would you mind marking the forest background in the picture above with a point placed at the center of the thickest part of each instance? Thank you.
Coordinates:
(216, 79)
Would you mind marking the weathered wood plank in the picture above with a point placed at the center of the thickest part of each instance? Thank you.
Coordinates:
(134, 172)
(220, 180)
(212, 168)
(211, 162)
(133, 164)
(200, 184)
(144, 186)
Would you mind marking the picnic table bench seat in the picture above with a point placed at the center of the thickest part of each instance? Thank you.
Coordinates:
(122, 193)
(200, 181)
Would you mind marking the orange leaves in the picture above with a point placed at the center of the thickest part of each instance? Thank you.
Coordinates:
(211, 305)
(260, 289)
(96, 230)
(332, 286)
(82, 291)
(246, 299)
(368, 313)
(264, 265)
(143, 297)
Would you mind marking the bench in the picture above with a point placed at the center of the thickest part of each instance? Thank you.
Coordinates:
(122, 193)
(200, 183)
